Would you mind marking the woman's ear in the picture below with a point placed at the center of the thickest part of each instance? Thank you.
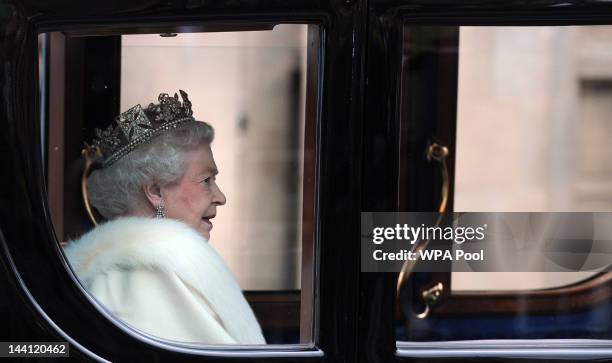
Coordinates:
(153, 194)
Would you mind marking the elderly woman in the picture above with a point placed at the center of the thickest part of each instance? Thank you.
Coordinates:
(151, 264)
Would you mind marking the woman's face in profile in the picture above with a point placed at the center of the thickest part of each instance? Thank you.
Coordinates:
(195, 197)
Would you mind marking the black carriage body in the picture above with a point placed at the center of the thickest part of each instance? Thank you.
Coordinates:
(358, 136)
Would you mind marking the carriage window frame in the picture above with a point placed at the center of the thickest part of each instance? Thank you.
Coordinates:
(52, 107)
(497, 348)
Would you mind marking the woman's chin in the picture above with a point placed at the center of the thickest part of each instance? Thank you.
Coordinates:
(204, 230)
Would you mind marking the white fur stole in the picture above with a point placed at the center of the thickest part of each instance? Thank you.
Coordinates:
(174, 247)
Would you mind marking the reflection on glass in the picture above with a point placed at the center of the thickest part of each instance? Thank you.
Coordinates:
(535, 102)
(532, 123)
(222, 163)
(250, 86)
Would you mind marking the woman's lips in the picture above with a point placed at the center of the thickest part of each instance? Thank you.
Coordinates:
(207, 222)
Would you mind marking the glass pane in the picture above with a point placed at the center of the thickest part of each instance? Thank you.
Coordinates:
(201, 216)
(533, 111)
(249, 84)
(550, 116)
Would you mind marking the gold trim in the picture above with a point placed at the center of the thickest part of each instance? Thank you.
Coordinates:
(90, 154)
(430, 296)
(438, 153)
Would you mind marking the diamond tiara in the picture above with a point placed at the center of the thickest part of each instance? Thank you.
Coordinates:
(138, 126)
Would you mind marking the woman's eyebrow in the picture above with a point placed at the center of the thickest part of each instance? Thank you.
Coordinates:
(209, 170)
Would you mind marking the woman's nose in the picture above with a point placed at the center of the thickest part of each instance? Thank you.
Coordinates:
(219, 197)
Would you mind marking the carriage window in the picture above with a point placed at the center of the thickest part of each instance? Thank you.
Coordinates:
(180, 171)
(532, 128)
(555, 119)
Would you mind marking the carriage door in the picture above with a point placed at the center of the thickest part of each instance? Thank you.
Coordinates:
(485, 109)
(282, 86)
